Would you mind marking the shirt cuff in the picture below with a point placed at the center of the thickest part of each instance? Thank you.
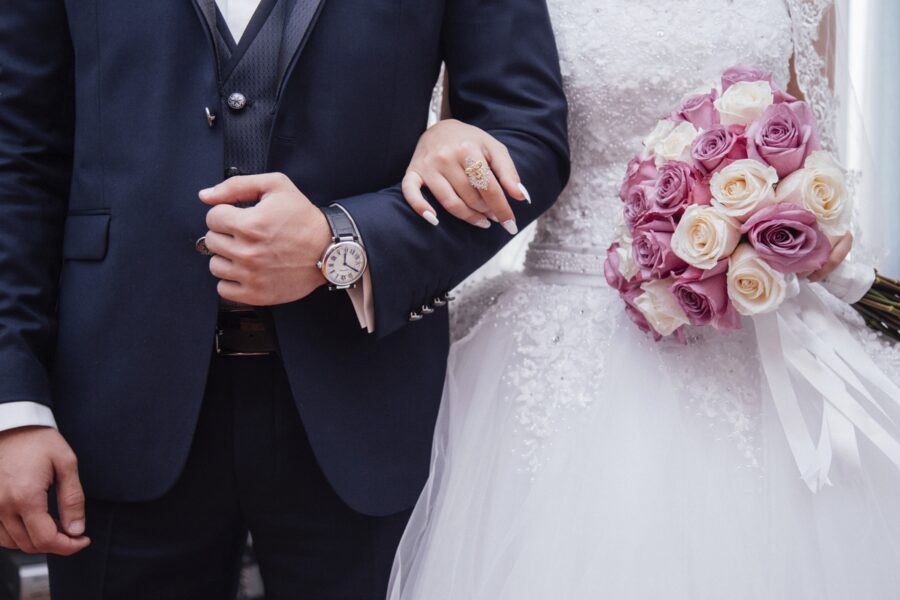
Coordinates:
(364, 303)
(25, 414)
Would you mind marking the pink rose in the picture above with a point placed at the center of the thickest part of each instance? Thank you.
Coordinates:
(703, 296)
(638, 172)
(638, 202)
(783, 137)
(742, 73)
(672, 191)
(788, 238)
(702, 193)
(636, 316)
(652, 249)
(717, 147)
(699, 110)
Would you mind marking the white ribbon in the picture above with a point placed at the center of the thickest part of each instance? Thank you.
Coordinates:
(803, 338)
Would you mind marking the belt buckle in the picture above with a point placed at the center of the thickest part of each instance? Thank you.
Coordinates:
(220, 351)
(244, 322)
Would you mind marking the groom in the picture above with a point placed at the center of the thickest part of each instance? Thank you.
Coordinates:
(194, 416)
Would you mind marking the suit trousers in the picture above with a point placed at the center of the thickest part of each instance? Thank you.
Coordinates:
(250, 469)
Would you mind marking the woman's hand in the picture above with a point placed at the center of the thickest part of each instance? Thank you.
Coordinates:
(839, 252)
(439, 164)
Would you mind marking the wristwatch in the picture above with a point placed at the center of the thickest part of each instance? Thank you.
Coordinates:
(345, 260)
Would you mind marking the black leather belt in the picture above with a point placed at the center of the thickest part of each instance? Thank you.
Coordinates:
(245, 332)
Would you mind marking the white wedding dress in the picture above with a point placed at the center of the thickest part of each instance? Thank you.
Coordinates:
(575, 458)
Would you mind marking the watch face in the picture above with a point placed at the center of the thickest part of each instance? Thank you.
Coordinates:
(344, 263)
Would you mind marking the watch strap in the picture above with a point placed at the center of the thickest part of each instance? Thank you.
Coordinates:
(342, 226)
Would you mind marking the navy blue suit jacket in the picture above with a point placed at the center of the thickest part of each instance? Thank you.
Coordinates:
(107, 312)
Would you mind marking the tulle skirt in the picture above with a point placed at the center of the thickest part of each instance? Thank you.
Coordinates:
(576, 459)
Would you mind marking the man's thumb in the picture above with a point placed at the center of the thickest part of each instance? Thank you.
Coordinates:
(69, 496)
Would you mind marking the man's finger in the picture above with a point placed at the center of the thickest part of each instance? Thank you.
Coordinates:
(412, 192)
(230, 290)
(69, 495)
(223, 219)
(5, 539)
(222, 268)
(244, 188)
(48, 539)
(220, 244)
(16, 530)
(505, 170)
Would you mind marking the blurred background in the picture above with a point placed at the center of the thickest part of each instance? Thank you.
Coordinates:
(871, 120)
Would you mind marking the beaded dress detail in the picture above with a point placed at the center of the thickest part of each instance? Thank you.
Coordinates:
(576, 458)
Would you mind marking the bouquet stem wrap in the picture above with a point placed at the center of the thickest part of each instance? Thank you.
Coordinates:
(875, 297)
(880, 307)
(804, 340)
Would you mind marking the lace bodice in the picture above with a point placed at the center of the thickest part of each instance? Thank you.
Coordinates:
(624, 65)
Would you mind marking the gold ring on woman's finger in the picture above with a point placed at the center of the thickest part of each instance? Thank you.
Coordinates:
(478, 172)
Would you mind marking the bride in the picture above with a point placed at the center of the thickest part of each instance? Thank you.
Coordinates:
(574, 457)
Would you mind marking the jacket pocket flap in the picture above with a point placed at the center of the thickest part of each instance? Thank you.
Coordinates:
(86, 237)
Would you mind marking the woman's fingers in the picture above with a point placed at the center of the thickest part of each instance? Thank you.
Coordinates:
(477, 174)
(838, 254)
(412, 192)
(505, 170)
(445, 193)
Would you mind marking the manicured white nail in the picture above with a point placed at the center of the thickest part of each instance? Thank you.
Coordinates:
(206, 193)
(525, 193)
(493, 218)
(430, 217)
(511, 227)
(483, 223)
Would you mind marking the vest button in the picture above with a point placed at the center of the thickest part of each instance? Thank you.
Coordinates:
(237, 101)
(232, 172)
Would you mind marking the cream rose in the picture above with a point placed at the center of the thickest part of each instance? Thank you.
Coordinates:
(676, 145)
(627, 267)
(744, 102)
(753, 286)
(743, 187)
(705, 236)
(660, 307)
(663, 128)
(821, 188)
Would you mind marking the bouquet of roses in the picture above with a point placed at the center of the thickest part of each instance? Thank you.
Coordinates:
(730, 201)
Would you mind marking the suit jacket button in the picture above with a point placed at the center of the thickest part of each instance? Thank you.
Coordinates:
(237, 101)
(232, 172)
(414, 316)
(427, 310)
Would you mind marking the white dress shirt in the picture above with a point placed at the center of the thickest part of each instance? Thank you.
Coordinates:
(237, 15)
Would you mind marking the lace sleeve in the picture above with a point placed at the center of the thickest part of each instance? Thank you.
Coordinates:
(814, 60)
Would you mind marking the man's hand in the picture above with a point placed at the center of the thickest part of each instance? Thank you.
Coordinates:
(266, 254)
(31, 459)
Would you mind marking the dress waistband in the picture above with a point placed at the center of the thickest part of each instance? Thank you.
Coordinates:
(587, 261)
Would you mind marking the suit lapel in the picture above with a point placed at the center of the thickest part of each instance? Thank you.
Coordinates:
(206, 10)
(299, 24)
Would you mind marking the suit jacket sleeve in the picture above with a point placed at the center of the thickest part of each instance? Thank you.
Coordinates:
(36, 119)
(505, 79)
